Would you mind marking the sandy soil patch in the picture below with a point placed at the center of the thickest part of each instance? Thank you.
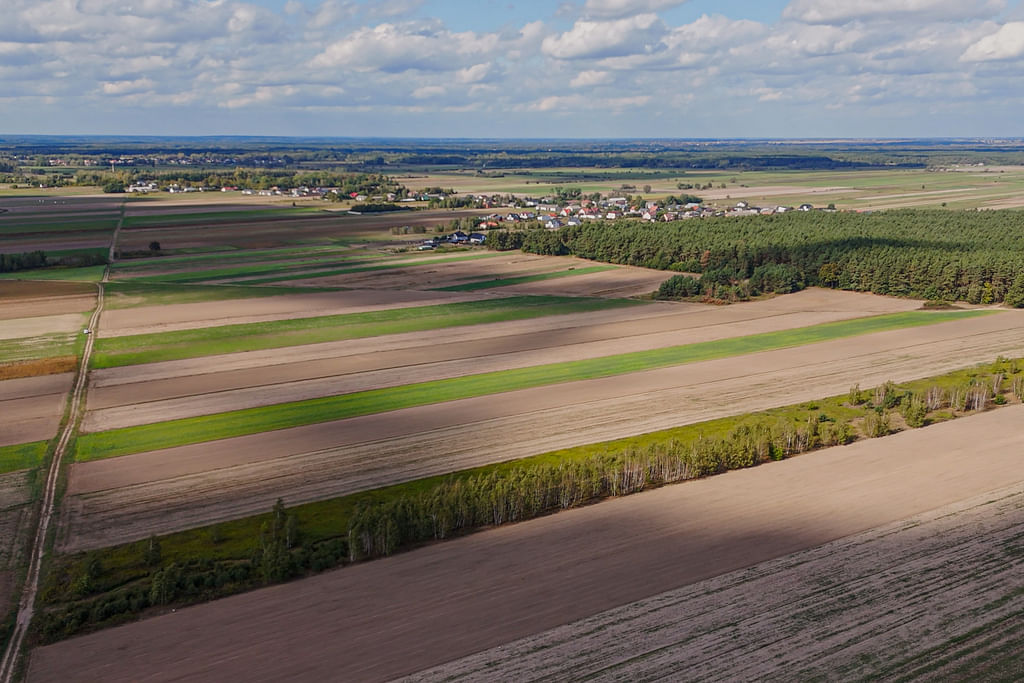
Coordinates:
(150, 319)
(16, 328)
(881, 603)
(133, 496)
(495, 587)
(116, 406)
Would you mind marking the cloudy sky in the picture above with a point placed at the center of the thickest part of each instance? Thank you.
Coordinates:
(514, 68)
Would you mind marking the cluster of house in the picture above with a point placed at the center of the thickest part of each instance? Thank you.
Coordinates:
(457, 237)
(574, 213)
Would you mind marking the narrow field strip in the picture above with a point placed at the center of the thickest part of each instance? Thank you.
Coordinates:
(267, 418)
(149, 348)
(55, 225)
(363, 269)
(170, 219)
(21, 456)
(155, 262)
(132, 294)
(504, 282)
(86, 274)
(252, 269)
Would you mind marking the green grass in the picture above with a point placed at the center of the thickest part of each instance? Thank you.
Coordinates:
(504, 282)
(44, 346)
(149, 348)
(267, 418)
(86, 274)
(220, 216)
(21, 456)
(364, 269)
(161, 262)
(246, 270)
(134, 294)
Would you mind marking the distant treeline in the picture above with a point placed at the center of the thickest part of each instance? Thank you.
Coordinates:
(970, 256)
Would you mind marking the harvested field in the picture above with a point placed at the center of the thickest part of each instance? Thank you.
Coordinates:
(551, 571)
(136, 495)
(917, 598)
(15, 495)
(35, 368)
(624, 281)
(32, 407)
(168, 318)
(37, 326)
(359, 365)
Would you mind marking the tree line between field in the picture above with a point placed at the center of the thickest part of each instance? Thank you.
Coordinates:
(83, 592)
(12, 263)
(973, 256)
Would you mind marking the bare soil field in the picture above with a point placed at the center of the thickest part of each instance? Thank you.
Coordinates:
(894, 601)
(19, 208)
(435, 275)
(15, 495)
(32, 407)
(498, 586)
(113, 403)
(17, 328)
(15, 291)
(136, 495)
(767, 191)
(204, 203)
(150, 319)
(624, 281)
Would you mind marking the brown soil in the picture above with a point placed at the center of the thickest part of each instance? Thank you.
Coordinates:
(133, 496)
(13, 290)
(15, 515)
(32, 407)
(420, 609)
(38, 326)
(34, 368)
(892, 601)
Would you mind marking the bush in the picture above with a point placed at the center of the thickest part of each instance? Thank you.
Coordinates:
(678, 287)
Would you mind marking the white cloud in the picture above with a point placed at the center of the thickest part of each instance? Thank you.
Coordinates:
(843, 11)
(1006, 43)
(396, 48)
(587, 79)
(639, 34)
(623, 8)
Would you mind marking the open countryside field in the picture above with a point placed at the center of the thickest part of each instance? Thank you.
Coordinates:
(356, 624)
(186, 486)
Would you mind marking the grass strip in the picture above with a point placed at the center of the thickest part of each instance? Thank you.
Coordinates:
(504, 282)
(255, 269)
(86, 274)
(22, 456)
(131, 294)
(156, 262)
(150, 348)
(281, 416)
(363, 269)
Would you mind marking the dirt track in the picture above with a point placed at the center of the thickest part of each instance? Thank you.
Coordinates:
(133, 496)
(892, 601)
(491, 588)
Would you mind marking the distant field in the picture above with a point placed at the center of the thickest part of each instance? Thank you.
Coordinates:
(131, 294)
(217, 216)
(311, 274)
(86, 274)
(253, 420)
(502, 282)
(149, 348)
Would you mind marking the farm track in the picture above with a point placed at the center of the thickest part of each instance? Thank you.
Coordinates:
(498, 586)
(48, 504)
(133, 496)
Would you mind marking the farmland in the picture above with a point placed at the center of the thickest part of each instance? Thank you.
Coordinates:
(252, 350)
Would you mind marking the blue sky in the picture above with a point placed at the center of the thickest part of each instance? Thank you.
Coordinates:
(514, 68)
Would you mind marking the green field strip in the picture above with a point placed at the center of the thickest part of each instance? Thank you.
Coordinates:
(22, 456)
(130, 294)
(255, 269)
(87, 274)
(157, 262)
(504, 282)
(173, 219)
(281, 416)
(365, 269)
(150, 348)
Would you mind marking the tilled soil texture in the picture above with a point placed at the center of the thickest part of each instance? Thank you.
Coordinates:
(436, 604)
(933, 597)
(32, 407)
(275, 231)
(151, 319)
(133, 496)
(15, 518)
(122, 397)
